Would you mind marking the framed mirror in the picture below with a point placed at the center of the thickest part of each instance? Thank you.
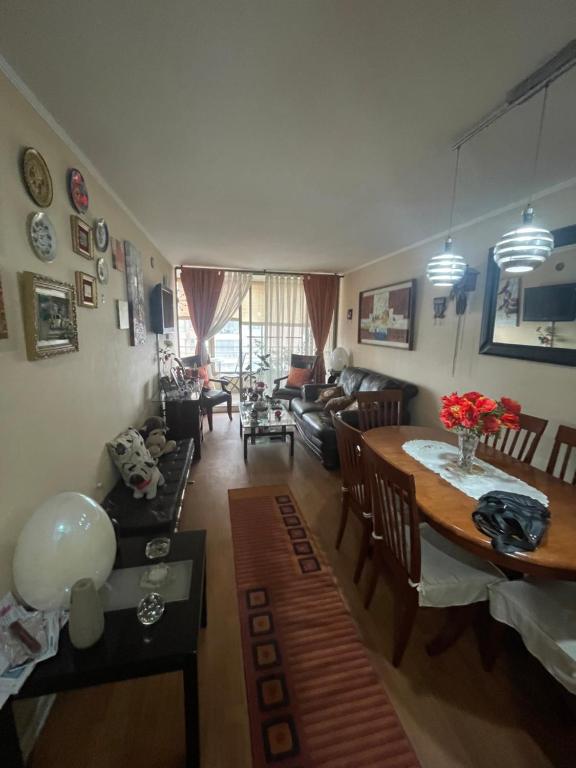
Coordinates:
(532, 316)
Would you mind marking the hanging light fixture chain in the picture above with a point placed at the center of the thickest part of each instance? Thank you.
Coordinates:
(538, 143)
(454, 184)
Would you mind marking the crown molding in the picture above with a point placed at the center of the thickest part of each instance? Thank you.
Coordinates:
(55, 126)
(517, 204)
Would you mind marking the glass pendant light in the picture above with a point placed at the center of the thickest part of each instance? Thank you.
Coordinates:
(447, 268)
(526, 248)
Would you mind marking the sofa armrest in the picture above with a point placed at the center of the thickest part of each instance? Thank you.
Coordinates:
(310, 392)
(277, 381)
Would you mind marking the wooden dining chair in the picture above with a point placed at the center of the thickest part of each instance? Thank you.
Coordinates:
(521, 444)
(381, 408)
(423, 568)
(565, 438)
(354, 491)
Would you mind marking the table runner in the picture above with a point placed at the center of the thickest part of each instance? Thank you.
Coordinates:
(441, 458)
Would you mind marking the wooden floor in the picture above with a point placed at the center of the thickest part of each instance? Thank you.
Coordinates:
(456, 715)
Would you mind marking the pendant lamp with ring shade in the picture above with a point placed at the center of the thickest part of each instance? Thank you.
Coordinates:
(446, 269)
(526, 248)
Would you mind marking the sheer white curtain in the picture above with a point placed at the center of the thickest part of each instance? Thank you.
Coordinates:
(234, 288)
(287, 328)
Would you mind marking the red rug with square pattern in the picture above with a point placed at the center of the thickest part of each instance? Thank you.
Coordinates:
(314, 698)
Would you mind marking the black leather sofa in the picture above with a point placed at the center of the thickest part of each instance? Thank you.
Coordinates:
(315, 424)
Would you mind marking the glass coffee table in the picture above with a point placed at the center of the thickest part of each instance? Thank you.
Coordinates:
(256, 425)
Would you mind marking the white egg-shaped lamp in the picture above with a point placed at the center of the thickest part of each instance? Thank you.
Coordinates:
(339, 359)
(68, 537)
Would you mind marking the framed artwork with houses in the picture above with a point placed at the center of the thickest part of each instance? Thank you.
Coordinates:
(86, 291)
(386, 315)
(49, 310)
(81, 237)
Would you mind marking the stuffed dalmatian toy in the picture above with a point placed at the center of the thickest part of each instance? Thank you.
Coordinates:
(136, 465)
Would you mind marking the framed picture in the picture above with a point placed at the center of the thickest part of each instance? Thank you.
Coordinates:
(49, 309)
(118, 261)
(386, 315)
(3, 323)
(122, 314)
(86, 290)
(81, 237)
(508, 301)
(135, 289)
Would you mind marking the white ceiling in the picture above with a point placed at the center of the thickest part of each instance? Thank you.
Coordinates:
(297, 134)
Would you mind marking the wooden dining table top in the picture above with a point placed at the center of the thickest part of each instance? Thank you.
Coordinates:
(449, 510)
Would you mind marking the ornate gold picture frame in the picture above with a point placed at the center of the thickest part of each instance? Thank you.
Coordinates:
(81, 237)
(49, 308)
(86, 291)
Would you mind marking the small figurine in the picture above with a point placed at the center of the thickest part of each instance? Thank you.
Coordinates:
(278, 413)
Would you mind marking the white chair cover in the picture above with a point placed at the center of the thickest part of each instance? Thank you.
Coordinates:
(544, 613)
(450, 575)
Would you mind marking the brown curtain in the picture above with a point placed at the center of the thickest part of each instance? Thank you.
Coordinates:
(202, 288)
(321, 294)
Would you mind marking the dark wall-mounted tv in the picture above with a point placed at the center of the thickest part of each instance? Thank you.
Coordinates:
(550, 303)
(162, 309)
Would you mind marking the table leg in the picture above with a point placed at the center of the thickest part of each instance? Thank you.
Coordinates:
(246, 436)
(190, 675)
(9, 742)
(291, 443)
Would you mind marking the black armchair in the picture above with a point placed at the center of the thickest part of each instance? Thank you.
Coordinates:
(209, 398)
(288, 393)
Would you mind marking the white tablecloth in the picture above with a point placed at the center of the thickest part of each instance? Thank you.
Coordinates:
(441, 458)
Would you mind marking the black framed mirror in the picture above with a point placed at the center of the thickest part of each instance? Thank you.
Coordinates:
(533, 316)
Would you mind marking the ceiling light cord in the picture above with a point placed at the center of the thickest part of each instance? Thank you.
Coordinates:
(538, 145)
(454, 185)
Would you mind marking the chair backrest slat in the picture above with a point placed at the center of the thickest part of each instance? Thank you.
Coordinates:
(350, 450)
(394, 513)
(381, 408)
(520, 444)
(565, 439)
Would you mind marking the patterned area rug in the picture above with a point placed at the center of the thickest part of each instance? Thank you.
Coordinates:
(314, 698)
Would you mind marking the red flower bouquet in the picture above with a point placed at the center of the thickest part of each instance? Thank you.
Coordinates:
(472, 415)
(476, 413)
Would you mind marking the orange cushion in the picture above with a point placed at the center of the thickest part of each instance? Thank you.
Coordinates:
(297, 377)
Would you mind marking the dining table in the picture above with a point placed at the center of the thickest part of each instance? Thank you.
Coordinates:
(449, 510)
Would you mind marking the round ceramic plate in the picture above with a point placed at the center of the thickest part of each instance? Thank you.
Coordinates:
(37, 177)
(101, 236)
(102, 270)
(77, 190)
(42, 236)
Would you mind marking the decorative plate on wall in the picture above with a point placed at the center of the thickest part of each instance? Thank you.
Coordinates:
(37, 177)
(101, 235)
(102, 270)
(77, 190)
(42, 236)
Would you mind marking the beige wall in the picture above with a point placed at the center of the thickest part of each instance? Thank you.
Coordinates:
(56, 415)
(544, 390)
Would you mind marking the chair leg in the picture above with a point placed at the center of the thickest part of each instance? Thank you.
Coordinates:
(373, 580)
(343, 517)
(229, 407)
(489, 634)
(458, 617)
(209, 414)
(363, 554)
(404, 615)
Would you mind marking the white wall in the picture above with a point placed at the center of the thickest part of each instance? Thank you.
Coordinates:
(544, 390)
(56, 415)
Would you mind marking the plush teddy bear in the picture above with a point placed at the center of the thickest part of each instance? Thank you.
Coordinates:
(154, 433)
(136, 465)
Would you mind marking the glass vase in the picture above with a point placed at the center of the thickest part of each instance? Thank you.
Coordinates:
(467, 445)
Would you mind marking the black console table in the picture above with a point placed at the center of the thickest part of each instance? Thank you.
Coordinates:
(184, 419)
(129, 650)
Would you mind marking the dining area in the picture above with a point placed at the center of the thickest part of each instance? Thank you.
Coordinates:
(480, 534)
